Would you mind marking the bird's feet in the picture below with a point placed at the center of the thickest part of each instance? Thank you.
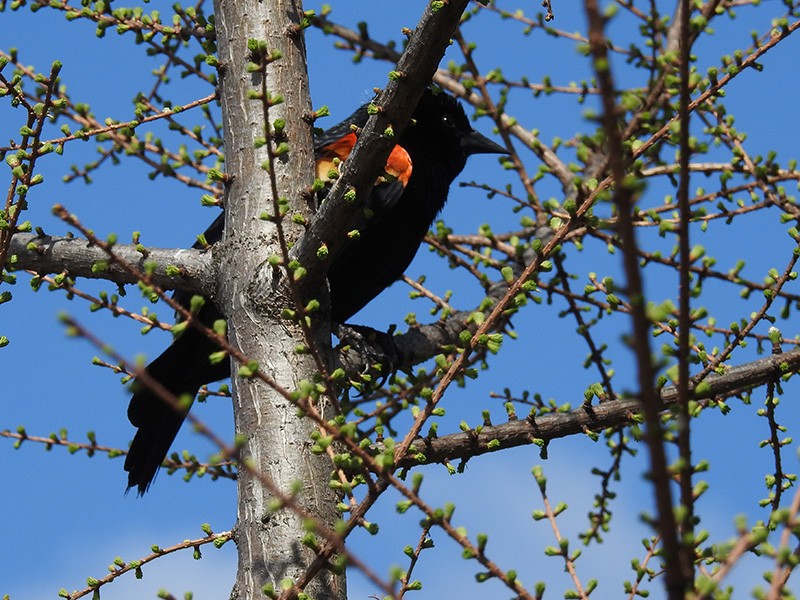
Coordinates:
(369, 356)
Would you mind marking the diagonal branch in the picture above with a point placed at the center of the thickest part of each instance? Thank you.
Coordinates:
(395, 106)
(445, 79)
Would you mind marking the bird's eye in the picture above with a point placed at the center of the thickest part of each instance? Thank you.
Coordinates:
(448, 121)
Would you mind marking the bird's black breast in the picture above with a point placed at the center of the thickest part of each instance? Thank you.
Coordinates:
(387, 244)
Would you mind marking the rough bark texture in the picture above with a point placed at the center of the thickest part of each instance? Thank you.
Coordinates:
(253, 294)
(47, 254)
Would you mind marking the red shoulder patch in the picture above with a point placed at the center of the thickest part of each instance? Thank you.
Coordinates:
(340, 149)
(398, 166)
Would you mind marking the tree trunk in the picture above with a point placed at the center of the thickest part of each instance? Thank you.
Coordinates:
(252, 295)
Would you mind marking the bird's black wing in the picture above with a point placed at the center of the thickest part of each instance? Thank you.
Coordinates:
(337, 143)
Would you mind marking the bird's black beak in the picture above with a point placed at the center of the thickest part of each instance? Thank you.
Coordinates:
(476, 143)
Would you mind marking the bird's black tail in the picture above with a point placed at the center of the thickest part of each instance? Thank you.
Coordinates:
(181, 369)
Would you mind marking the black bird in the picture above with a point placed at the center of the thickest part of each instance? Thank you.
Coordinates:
(430, 154)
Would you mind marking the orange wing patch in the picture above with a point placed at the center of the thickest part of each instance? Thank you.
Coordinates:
(340, 149)
(398, 166)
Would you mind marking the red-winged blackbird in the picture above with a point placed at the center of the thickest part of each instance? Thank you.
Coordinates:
(430, 154)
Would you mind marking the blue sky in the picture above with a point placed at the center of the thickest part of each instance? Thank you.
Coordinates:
(65, 517)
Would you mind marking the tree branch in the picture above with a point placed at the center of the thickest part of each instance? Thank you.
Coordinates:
(79, 258)
(614, 413)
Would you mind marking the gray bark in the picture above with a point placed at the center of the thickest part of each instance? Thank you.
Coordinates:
(47, 254)
(252, 295)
